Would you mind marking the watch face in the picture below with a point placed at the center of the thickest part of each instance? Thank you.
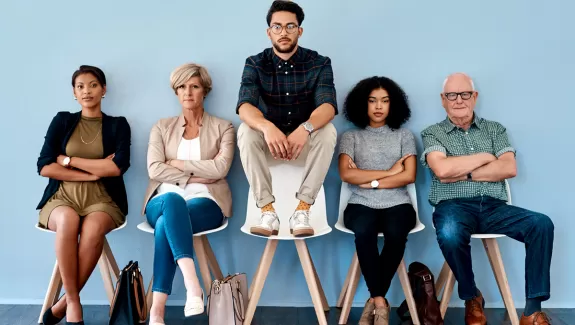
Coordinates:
(374, 184)
(66, 161)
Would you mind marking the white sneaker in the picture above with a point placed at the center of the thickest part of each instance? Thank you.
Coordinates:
(269, 225)
(299, 224)
(194, 305)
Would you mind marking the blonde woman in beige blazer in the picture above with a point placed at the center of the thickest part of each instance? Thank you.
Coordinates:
(189, 157)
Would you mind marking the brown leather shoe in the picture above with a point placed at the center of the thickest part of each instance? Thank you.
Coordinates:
(474, 314)
(537, 318)
(367, 314)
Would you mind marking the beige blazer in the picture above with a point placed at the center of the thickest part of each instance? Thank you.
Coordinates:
(216, 136)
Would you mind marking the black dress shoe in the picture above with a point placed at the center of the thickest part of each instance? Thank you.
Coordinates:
(49, 319)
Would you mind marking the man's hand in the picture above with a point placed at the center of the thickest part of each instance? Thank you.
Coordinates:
(277, 142)
(297, 140)
(398, 167)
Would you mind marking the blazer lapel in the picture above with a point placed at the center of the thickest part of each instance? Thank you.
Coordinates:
(204, 136)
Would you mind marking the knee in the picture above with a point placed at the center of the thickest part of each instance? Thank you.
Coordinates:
(68, 223)
(172, 199)
(542, 224)
(326, 136)
(96, 231)
(365, 236)
(248, 137)
(450, 235)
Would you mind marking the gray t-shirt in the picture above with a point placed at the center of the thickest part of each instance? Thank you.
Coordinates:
(377, 149)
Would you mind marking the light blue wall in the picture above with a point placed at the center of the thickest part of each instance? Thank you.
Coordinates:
(519, 52)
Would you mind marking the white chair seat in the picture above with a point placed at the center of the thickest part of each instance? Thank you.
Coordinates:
(287, 177)
(145, 227)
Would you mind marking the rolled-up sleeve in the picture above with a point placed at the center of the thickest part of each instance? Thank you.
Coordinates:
(52, 143)
(408, 143)
(123, 142)
(218, 167)
(249, 89)
(501, 142)
(346, 145)
(325, 88)
(430, 144)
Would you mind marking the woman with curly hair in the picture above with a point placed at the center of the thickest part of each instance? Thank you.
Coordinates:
(378, 161)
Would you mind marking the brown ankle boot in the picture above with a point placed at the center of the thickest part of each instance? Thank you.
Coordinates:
(537, 318)
(382, 315)
(367, 314)
(474, 314)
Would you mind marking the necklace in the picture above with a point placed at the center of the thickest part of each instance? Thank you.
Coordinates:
(82, 138)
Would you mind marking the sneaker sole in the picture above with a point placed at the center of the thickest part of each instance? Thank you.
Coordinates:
(302, 232)
(263, 232)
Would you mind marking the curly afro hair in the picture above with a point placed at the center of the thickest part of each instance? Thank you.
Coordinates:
(355, 107)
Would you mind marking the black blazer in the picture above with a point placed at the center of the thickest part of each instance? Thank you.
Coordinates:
(115, 139)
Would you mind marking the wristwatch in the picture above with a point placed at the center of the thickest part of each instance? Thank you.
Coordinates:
(66, 162)
(469, 177)
(375, 184)
(308, 127)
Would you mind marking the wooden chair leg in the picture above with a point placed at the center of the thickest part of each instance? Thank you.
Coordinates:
(404, 280)
(53, 291)
(258, 282)
(354, 274)
(212, 261)
(319, 286)
(441, 279)
(447, 292)
(149, 294)
(111, 260)
(494, 255)
(312, 284)
(343, 292)
(106, 276)
(202, 260)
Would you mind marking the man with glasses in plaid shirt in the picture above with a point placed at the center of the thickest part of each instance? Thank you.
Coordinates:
(470, 158)
(286, 101)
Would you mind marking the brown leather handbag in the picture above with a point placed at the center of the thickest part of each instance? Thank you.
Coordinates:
(423, 288)
(129, 303)
(228, 300)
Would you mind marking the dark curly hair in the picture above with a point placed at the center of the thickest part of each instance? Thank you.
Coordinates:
(284, 5)
(355, 107)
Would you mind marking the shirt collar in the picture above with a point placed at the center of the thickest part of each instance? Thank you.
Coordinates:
(448, 126)
(182, 121)
(381, 129)
(296, 57)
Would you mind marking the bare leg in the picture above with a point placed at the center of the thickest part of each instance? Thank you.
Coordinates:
(94, 228)
(66, 223)
(158, 309)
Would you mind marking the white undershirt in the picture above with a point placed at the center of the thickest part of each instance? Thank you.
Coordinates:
(187, 150)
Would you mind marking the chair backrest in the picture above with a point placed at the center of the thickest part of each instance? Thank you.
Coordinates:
(345, 194)
(286, 181)
(508, 189)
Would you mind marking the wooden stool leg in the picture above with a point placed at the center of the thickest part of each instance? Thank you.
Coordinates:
(494, 255)
(258, 282)
(53, 291)
(441, 279)
(106, 277)
(319, 286)
(343, 292)
(447, 292)
(202, 260)
(212, 261)
(404, 280)
(312, 284)
(149, 294)
(351, 286)
(112, 260)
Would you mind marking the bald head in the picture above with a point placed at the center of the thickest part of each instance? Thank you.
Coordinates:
(459, 77)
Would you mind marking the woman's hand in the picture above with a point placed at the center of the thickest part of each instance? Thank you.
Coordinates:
(398, 167)
(60, 160)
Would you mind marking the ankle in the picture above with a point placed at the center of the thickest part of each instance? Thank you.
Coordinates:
(303, 206)
(268, 208)
(380, 302)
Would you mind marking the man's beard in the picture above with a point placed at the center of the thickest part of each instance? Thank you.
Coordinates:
(285, 50)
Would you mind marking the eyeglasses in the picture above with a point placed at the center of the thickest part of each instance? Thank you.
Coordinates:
(290, 28)
(465, 95)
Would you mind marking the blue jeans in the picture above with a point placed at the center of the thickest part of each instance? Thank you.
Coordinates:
(455, 220)
(175, 221)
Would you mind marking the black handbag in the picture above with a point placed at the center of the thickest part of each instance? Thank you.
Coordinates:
(129, 304)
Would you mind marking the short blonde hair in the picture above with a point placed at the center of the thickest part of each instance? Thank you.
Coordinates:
(185, 72)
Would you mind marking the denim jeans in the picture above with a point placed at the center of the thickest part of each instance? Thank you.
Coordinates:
(456, 220)
(395, 223)
(175, 221)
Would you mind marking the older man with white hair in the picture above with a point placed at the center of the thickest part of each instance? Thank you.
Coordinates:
(470, 158)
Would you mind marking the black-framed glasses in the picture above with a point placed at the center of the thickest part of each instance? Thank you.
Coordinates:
(290, 28)
(465, 95)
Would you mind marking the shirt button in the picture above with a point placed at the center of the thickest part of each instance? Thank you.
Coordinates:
(177, 184)
(286, 72)
(289, 113)
(191, 174)
(279, 66)
(471, 148)
(292, 66)
(285, 62)
(287, 93)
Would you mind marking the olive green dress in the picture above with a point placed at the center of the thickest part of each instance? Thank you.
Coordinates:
(84, 197)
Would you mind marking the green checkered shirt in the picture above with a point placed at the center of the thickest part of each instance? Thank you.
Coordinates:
(482, 136)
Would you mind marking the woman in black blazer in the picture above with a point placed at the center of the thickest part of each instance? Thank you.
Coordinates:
(84, 156)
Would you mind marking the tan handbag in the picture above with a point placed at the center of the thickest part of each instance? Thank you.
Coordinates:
(228, 300)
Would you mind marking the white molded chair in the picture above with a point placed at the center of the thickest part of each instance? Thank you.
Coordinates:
(108, 268)
(287, 178)
(446, 280)
(204, 256)
(352, 279)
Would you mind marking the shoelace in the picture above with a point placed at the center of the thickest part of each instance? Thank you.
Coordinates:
(542, 315)
(268, 218)
(474, 305)
(299, 214)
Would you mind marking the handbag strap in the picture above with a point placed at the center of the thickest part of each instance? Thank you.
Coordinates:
(139, 294)
(239, 304)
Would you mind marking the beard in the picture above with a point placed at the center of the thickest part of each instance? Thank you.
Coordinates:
(288, 49)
